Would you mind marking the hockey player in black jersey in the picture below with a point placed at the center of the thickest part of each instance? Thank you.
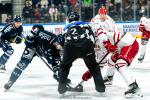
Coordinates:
(78, 44)
(11, 33)
(41, 43)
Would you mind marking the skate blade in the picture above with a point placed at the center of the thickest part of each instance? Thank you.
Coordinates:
(140, 61)
(108, 83)
(138, 94)
(62, 95)
(5, 90)
(100, 94)
(2, 71)
(75, 90)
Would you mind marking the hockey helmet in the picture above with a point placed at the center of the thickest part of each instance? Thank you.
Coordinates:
(17, 18)
(102, 10)
(73, 16)
(37, 28)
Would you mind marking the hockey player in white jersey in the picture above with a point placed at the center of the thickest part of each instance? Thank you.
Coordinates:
(107, 24)
(145, 29)
(122, 54)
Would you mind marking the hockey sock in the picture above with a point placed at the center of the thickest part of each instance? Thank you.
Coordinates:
(4, 58)
(15, 74)
(143, 50)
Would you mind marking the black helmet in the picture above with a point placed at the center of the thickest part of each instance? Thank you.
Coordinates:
(73, 16)
(37, 28)
(17, 18)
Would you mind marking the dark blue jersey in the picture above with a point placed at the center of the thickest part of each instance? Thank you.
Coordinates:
(43, 41)
(9, 32)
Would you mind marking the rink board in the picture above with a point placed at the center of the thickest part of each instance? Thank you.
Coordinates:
(131, 27)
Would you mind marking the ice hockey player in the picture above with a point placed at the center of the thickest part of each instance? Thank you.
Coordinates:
(122, 54)
(11, 33)
(78, 44)
(145, 29)
(108, 24)
(41, 43)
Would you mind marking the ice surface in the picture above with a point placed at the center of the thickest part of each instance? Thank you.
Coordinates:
(37, 83)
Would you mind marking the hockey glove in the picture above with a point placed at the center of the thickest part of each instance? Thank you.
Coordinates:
(30, 43)
(86, 76)
(110, 47)
(18, 39)
(61, 39)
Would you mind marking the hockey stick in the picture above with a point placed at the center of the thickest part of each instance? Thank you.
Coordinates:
(69, 87)
(80, 84)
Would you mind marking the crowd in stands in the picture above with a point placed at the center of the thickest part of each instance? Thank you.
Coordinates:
(47, 11)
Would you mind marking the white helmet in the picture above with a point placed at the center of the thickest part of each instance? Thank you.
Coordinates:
(143, 19)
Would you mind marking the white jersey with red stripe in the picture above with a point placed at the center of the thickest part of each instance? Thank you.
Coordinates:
(107, 25)
(118, 38)
(146, 22)
(107, 30)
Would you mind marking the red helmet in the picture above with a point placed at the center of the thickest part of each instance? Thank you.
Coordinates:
(102, 10)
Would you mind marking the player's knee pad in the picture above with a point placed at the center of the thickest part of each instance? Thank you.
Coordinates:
(110, 62)
(120, 63)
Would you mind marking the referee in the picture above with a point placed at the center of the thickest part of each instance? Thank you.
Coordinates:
(78, 44)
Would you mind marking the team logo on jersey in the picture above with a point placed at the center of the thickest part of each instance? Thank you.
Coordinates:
(44, 36)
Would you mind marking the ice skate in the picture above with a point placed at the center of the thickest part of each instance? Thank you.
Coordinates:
(141, 58)
(2, 68)
(101, 92)
(8, 85)
(134, 91)
(62, 88)
(108, 80)
(56, 77)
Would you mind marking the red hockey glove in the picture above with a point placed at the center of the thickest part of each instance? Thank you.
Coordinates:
(141, 28)
(109, 46)
(86, 76)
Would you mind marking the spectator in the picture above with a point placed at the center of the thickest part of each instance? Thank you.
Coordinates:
(49, 2)
(45, 15)
(9, 19)
(35, 3)
(27, 13)
(73, 2)
(101, 2)
(88, 8)
(127, 11)
(61, 11)
(142, 9)
(53, 11)
(56, 2)
(37, 14)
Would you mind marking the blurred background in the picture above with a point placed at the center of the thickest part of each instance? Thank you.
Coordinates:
(55, 11)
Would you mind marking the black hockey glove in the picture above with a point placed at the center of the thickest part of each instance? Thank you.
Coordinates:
(18, 39)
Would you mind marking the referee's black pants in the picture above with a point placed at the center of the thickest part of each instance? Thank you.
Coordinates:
(84, 50)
